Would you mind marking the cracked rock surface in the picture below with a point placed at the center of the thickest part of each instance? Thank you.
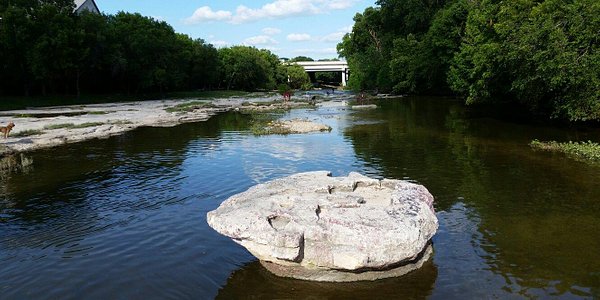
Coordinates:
(312, 221)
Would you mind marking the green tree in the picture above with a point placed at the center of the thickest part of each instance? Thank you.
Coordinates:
(329, 77)
(364, 50)
(300, 58)
(204, 64)
(46, 47)
(297, 76)
(420, 63)
(404, 46)
(543, 55)
(246, 68)
(147, 52)
(17, 37)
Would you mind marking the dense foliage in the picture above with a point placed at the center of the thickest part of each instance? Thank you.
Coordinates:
(541, 54)
(45, 48)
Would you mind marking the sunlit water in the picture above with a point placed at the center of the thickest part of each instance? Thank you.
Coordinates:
(125, 217)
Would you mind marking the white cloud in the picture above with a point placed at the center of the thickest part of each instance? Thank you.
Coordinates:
(347, 28)
(333, 37)
(340, 4)
(270, 48)
(205, 14)
(298, 37)
(219, 44)
(336, 36)
(271, 31)
(275, 9)
(316, 51)
(260, 40)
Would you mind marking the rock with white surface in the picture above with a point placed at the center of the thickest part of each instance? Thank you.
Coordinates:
(316, 227)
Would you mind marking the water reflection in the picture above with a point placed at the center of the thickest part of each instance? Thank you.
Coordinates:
(252, 281)
(537, 213)
(73, 193)
(125, 216)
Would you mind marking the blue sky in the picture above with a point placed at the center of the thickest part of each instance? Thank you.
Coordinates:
(288, 28)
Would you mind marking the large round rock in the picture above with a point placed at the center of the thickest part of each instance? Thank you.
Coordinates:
(317, 227)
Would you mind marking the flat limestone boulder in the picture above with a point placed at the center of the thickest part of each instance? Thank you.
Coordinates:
(302, 126)
(316, 227)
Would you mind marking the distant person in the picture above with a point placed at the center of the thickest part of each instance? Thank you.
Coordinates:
(287, 96)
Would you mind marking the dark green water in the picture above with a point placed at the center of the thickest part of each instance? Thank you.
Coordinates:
(125, 217)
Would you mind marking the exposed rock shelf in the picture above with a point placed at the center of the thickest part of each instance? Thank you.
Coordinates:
(316, 227)
(294, 126)
(38, 128)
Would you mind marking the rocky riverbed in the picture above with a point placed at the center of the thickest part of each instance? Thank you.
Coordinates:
(37, 128)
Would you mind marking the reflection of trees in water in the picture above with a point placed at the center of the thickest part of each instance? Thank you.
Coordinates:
(78, 189)
(13, 163)
(254, 282)
(538, 212)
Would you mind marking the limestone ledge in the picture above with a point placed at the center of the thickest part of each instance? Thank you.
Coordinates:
(38, 128)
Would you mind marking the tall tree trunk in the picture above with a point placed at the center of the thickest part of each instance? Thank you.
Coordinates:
(77, 79)
(230, 81)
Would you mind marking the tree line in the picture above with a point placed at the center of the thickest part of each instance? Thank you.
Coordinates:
(538, 54)
(46, 48)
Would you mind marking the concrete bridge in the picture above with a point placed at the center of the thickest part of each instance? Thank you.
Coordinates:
(326, 66)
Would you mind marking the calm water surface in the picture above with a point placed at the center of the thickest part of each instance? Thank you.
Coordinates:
(125, 217)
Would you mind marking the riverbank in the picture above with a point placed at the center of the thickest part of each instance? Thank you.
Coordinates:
(588, 152)
(37, 128)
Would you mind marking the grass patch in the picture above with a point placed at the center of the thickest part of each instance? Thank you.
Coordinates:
(88, 124)
(23, 116)
(59, 126)
(268, 110)
(28, 132)
(274, 106)
(583, 151)
(121, 122)
(97, 113)
(258, 95)
(72, 126)
(190, 106)
(263, 123)
(269, 128)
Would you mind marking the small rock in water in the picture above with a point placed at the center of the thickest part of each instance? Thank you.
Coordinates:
(316, 227)
(367, 106)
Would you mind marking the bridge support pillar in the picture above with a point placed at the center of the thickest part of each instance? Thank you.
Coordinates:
(344, 77)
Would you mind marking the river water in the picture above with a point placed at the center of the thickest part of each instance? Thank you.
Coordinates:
(125, 217)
